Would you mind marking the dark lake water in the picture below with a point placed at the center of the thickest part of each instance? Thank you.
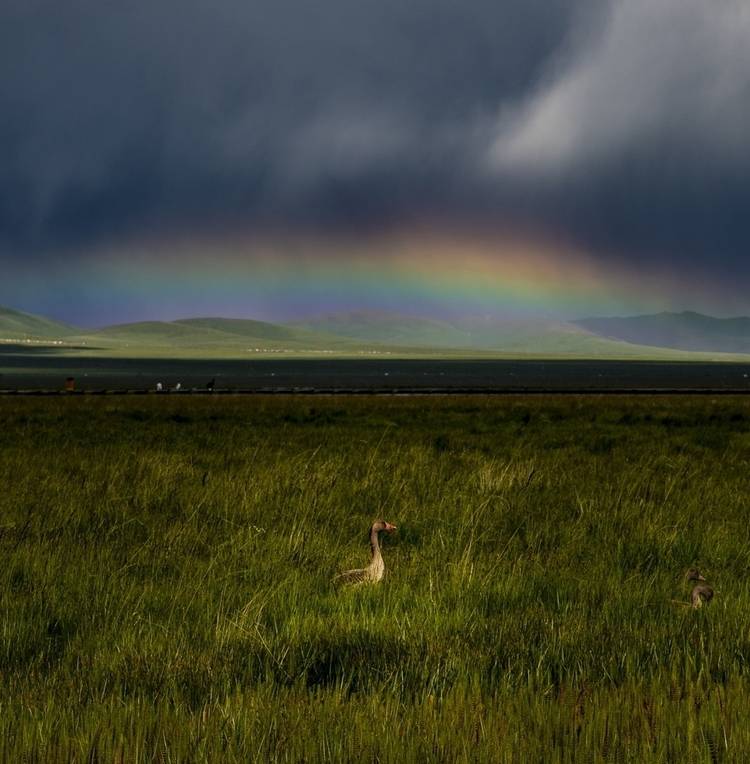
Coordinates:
(40, 370)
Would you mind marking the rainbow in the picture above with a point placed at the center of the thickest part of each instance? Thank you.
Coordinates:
(411, 273)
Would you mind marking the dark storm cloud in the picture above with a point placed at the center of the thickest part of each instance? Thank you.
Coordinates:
(620, 124)
(141, 114)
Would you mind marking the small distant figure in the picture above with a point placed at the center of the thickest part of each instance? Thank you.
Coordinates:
(70, 384)
(211, 385)
(159, 387)
(178, 386)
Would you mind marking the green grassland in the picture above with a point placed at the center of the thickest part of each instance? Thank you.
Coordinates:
(166, 580)
(192, 345)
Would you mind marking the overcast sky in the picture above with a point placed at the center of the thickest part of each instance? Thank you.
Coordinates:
(622, 126)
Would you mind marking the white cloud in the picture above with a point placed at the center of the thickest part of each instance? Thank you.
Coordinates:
(661, 71)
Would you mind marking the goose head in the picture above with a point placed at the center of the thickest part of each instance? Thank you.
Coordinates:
(382, 525)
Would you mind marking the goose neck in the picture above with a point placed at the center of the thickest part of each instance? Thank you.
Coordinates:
(374, 543)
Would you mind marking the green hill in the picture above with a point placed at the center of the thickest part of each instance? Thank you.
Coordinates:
(540, 336)
(208, 336)
(17, 325)
(388, 329)
(258, 330)
(483, 336)
(155, 334)
(683, 336)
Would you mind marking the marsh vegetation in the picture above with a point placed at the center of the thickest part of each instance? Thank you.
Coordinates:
(167, 562)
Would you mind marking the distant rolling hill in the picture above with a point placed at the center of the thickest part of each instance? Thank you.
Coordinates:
(17, 325)
(388, 329)
(248, 328)
(216, 334)
(506, 336)
(478, 333)
(212, 336)
(665, 336)
(682, 331)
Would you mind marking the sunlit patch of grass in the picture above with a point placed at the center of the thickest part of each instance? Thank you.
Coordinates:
(166, 588)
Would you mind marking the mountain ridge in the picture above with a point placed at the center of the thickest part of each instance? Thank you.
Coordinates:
(686, 330)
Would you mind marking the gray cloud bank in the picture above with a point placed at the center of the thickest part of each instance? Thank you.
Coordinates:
(623, 124)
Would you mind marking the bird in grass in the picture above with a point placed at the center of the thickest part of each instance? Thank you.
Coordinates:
(375, 570)
(702, 592)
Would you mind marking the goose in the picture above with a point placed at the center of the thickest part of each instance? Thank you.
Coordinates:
(701, 592)
(375, 570)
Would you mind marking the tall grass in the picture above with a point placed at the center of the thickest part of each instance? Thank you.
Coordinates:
(165, 590)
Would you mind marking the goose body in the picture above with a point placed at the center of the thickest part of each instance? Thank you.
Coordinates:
(702, 592)
(374, 572)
